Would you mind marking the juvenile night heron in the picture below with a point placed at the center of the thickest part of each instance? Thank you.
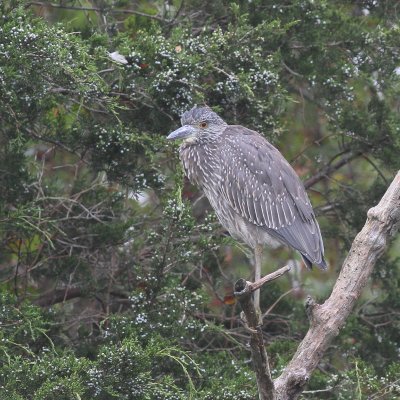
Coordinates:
(255, 193)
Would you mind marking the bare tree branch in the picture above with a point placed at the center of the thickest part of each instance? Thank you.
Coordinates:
(328, 318)
(259, 355)
(250, 287)
(96, 9)
(243, 291)
(59, 296)
(330, 168)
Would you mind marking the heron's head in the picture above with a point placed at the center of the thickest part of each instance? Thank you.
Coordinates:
(197, 124)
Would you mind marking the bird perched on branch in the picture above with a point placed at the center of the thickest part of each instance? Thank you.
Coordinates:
(254, 191)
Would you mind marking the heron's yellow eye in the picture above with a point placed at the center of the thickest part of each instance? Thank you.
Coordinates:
(203, 124)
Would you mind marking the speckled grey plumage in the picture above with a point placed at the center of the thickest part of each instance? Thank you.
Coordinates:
(255, 193)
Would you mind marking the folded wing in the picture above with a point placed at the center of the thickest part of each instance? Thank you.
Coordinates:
(262, 187)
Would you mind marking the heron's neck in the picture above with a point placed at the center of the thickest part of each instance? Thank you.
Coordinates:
(200, 160)
(209, 142)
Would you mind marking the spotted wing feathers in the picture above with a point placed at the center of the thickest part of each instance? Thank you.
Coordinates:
(265, 190)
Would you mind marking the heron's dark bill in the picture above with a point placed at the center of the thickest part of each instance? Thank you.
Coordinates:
(183, 132)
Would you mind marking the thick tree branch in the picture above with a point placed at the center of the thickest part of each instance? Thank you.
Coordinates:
(59, 296)
(328, 318)
(265, 384)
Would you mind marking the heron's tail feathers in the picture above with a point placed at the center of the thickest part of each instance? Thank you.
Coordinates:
(309, 263)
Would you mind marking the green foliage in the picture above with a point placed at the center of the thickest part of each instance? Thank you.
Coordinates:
(358, 382)
(130, 272)
(42, 62)
(23, 329)
(177, 71)
(45, 377)
(131, 362)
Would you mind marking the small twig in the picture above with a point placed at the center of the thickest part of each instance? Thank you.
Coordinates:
(291, 71)
(245, 287)
(277, 301)
(328, 389)
(224, 72)
(172, 21)
(316, 142)
(375, 167)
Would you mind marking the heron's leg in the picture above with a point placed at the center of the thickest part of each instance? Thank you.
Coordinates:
(258, 252)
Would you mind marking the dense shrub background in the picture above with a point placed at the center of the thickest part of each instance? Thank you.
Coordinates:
(115, 276)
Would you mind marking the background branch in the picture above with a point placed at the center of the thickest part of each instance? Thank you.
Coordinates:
(96, 9)
(331, 168)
